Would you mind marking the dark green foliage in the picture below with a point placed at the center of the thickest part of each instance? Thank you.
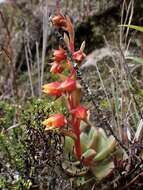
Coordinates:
(29, 156)
(12, 150)
(7, 113)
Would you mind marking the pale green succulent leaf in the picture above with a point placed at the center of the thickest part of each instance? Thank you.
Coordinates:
(103, 169)
(102, 141)
(83, 141)
(102, 131)
(93, 140)
(91, 132)
(109, 147)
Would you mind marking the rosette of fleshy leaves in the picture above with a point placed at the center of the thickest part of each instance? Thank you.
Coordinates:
(98, 151)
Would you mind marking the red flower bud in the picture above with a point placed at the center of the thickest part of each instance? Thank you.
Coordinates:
(80, 112)
(56, 68)
(59, 55)
(52, 89)
(68, 85)
(55, 121)
(79, 56)
(59, 21)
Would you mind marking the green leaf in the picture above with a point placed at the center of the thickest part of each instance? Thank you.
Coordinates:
(84, 141)
(91, 132)
(69, 144)
(109, 147)
(138, 28)
(138, 60)
(102, 140)
(93, 138)
(103, 169)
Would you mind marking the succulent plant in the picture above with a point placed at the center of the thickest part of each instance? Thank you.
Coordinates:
(97, 151)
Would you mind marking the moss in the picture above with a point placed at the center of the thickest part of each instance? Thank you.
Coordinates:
(19, 184)
(24, 148)
(7, 114)
(36, 110)
(3, 182)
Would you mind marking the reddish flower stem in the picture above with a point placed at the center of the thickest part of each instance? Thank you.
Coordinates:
(76, 129)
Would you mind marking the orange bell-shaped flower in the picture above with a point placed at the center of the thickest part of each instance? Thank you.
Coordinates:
(68, 85)
(55, 121)
(79, 56)
(59, 55)
(52, 88)
(80, 112)
(56, 68)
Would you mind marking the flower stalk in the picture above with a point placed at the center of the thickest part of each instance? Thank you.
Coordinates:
(68, 85)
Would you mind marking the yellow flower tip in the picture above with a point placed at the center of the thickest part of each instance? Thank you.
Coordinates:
(52, 89)
(49, 128)
(45, 91)
(47, 122)
(55, 121)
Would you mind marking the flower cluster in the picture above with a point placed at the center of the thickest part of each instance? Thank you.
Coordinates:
(68, 85)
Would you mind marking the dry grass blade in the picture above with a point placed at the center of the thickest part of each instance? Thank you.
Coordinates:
(45, 35)
(111, 128)
(127, 12)
(139, 132)
(14, 126)
(29, 71)
(38, 68)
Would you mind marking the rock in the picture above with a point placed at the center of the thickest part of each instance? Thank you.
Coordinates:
(93, 19)
(89, 8)
(98, 60)
(89, 14)
(27, 18)
(96, 56)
